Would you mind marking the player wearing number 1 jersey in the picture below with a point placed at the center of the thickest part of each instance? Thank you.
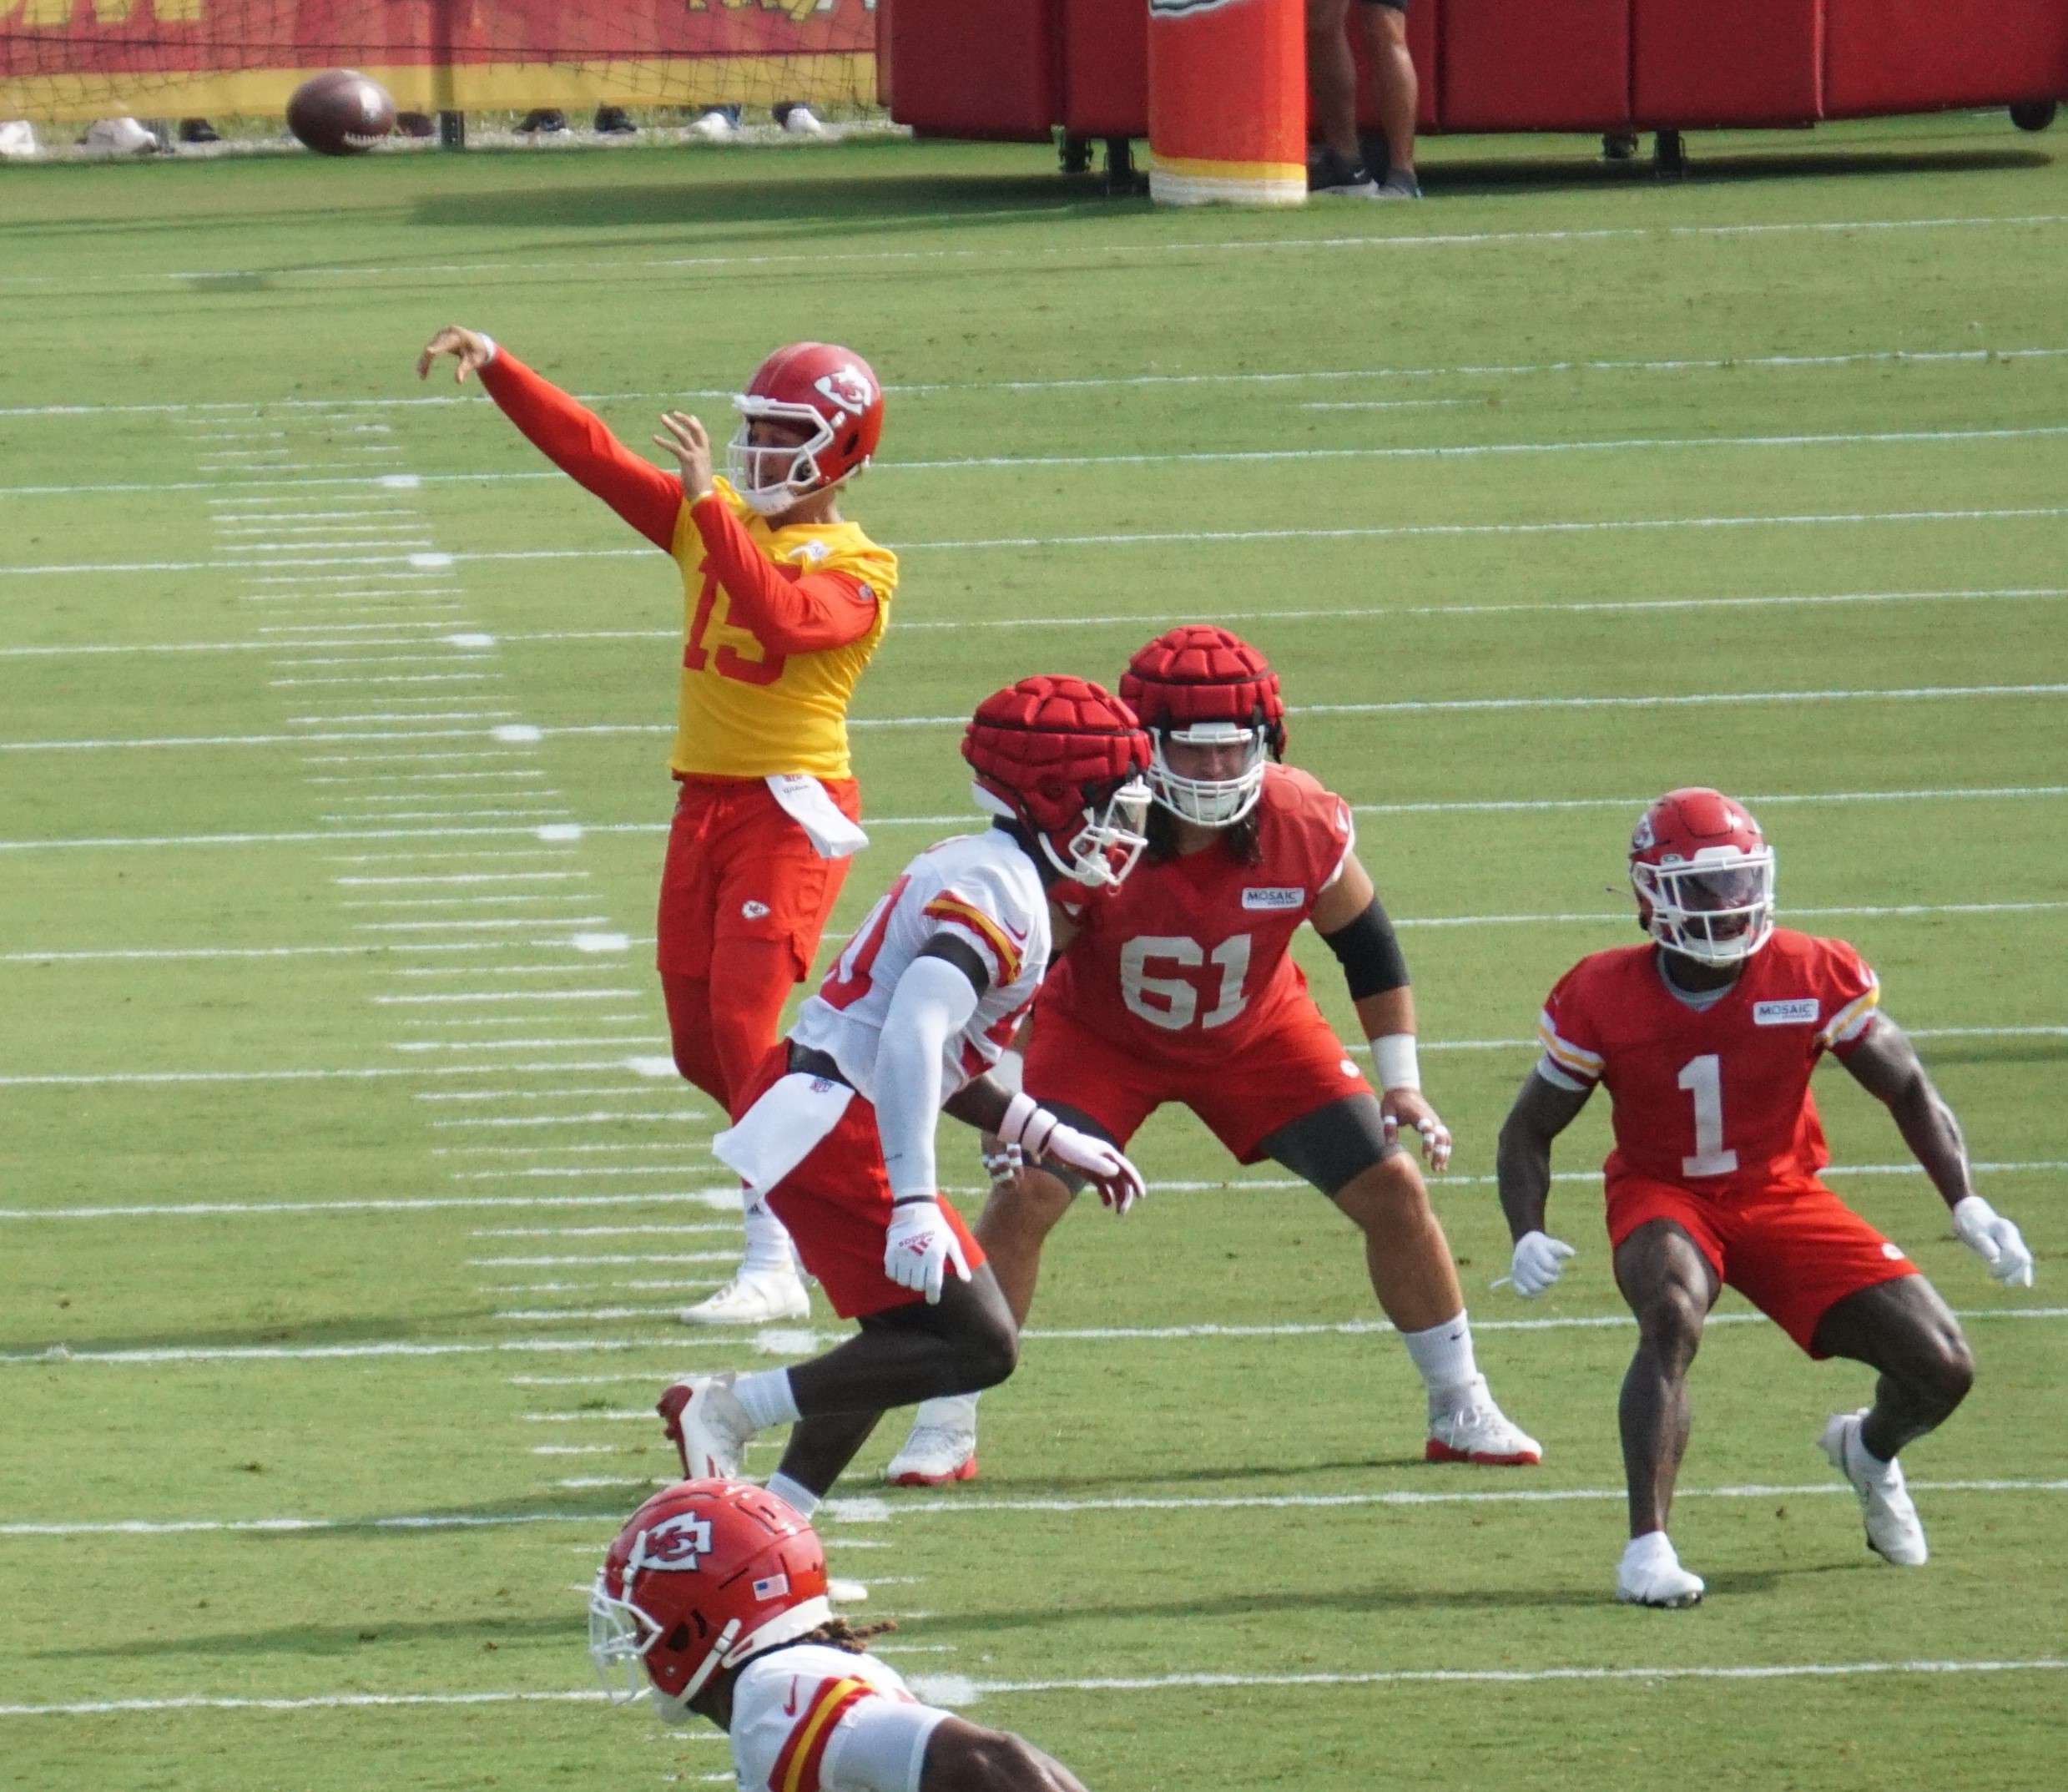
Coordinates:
(1181, 988)
(1705, 1039)
(836, 1131)
(784, 605)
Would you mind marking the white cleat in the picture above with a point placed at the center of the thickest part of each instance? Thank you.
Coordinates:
(755, 1297)
(940, 1448)
(714, 126)
(1893, 1532)
(801, 121)
(1473, 1429)
(1650, 1574)
(708, 1426)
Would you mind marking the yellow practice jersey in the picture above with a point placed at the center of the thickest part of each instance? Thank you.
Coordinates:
(746, 710)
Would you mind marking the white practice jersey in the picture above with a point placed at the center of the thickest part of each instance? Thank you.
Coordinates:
(984, 891)
(811, 1718)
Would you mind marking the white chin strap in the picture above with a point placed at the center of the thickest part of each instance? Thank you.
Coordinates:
(1721, 936)
(1208, 802)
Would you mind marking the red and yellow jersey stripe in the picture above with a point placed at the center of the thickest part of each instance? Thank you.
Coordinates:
(1574, 1060)
(1010, 956)
(796, 1768)
(1850, 1021)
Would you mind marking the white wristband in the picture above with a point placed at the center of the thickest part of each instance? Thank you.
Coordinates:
(1027, 1124)
(492, 350)
(1394, 1053)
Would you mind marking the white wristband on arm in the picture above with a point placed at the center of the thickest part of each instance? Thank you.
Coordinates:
(1394, 1054)
(1026, 1124)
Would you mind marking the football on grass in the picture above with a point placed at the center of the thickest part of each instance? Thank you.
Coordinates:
(341, 113)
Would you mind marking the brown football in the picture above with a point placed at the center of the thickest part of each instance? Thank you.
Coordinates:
(340, 111)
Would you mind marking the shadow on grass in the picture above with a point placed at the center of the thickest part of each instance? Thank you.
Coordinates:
(1132, 1483)
(346, 1639)
(285, 1335)
(1461, 179)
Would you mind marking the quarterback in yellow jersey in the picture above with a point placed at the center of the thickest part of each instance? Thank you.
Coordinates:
(784, 605)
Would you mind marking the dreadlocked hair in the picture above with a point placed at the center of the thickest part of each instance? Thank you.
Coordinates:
(1239, 839)
(837, 1634)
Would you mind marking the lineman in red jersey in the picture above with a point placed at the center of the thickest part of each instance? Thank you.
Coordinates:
(1180, 988)
(784, 605)
(1705, 1039)
(837, 1131)
(712, 1600)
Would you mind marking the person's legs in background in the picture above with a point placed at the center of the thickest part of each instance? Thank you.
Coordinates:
(1396, 91)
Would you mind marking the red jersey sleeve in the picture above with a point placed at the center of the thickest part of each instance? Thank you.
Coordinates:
(1849, 996)
(577, 441)
(1569, 1032)
(789, 610)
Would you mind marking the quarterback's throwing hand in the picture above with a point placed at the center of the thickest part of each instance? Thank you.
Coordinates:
(1995, 1240)
(1539, 1260)
(919, 1246)
(1410, 1108)
(690, 443)
(470, 348)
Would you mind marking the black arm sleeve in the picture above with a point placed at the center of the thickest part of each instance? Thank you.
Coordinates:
(1370, 954)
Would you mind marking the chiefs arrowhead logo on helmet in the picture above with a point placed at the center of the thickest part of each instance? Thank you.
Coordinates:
(849, 387)
(1703, 874)
(679, 1543)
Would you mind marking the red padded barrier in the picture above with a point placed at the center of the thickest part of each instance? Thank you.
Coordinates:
(960, 69)
(1105, 67)
(1510, 67)
(1918, 55)
(1696, 63)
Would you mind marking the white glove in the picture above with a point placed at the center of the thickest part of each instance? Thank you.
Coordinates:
(1539, 1260)
(1995, 1240)
(1039, 1133)
(919, 1247)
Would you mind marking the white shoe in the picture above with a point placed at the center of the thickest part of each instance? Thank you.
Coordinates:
(1650, 1573)
(940, 1448)
(1893, 1530)
(713, 127)
(752, 1297)
(708, 1426)
(1473, 1429)
(801, 121)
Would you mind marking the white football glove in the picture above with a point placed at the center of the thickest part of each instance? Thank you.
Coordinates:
(919, 1247)
(1039, 1133)
(1995, 1240)
(1539, 1260)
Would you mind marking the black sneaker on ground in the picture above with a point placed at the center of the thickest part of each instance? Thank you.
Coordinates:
(199, 130)
(415, 124)
(545, 119)
(1332, 173)
(615, 121)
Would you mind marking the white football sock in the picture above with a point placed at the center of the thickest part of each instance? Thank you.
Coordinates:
(766, 1395)
(1444, 1356)
(769, 1249)
(795, 1492)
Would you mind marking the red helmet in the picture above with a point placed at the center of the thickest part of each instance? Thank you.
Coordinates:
(1704, 877)
(1205, 687)
(830, 391)
(1064, 758)
(705, 1575)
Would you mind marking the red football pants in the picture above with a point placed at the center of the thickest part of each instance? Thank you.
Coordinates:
(745, 898)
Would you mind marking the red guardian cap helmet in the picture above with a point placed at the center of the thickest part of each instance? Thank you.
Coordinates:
(1064, 758)
(1704, 877)
(1204, 686)
(828, 392)
(705, 1575)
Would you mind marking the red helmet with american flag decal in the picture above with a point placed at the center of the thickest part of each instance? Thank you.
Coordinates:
(1704, 873)
(829, 392)
(705, 1575)
(1064, 757)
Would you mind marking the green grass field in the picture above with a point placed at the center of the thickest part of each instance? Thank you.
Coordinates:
(1561, 489)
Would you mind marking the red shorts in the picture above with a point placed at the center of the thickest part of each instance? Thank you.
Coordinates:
(739, 868)
(1794, 1250)
(1282, 1074)
(836, 1206)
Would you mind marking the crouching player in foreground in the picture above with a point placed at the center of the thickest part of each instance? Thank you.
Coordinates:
(1705, 1039)
(837, 1130)
(1183, 988)
(712, 1600)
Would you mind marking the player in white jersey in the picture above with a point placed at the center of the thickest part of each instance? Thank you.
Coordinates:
(836, 1131)
(713, 1601)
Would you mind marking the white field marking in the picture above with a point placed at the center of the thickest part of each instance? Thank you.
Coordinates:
(577, 1450)
(699, 1228)
(386, 678)
(597, 1117)
(718, 1199)
(215, 647)
(1621, 917)
(585, 1173)
(493, 757)
(505, 901)
(505, 995)
(423, 1022)
(1388, 404)
(443, 815)
(501, 775)
(1631, 805)
(1122, 538)
(570, 967)
(417, 856)
(1468, 451)
(618, 1380)
(148, 1079)
(356, 628)
(227, 522)
(673, 1147)
(579, 1043)
(321, 1701)
(612, 1282)
(618, 1260)
(343, 718)
(476, 926)
(247, 740)
(460, 877)
(464, 656)
(1300, 376)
